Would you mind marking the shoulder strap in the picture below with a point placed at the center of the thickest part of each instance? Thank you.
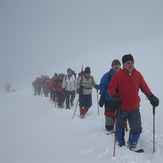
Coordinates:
(92, 80)
(81, 79)
(65, 77)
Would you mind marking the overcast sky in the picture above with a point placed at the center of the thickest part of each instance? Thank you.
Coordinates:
(36, 36)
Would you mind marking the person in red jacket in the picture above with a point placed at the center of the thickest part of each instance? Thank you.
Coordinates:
(123, 89)
(53, 87)
(59, 91)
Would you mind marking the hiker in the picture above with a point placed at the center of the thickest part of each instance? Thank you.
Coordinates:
(105, 98)
(124, 88)
(35, 87)
(68, 86)
(7, 87)
(84, 88)
(46, 85)
(59, 90)
(53, 87)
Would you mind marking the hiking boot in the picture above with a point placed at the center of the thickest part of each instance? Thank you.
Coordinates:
(67, 107)
(120, 136)
(109, 128)
(82, 116)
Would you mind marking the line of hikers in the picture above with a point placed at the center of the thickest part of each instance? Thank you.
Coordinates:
(119, 90)
(63, 88)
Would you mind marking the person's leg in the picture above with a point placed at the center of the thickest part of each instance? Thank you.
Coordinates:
(121, 122)
(81, 105)
(72, 97)
(134, 120)
(109, 116)
(67, 99)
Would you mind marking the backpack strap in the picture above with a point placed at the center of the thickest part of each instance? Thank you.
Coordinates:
(65, 78)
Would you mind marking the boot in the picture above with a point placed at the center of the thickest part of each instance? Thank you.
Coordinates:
(120, 136)
(86, 109)
(82, 112)
(133, 140)
(109, 128)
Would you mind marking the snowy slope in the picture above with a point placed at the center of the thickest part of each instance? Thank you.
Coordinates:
(51, 36)
(34, 131)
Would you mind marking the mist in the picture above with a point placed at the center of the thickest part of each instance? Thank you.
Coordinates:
(44, 37)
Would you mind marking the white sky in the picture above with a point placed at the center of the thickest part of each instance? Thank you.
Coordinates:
(37, 35)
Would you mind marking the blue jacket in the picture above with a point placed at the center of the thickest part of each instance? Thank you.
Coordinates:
(104, 84)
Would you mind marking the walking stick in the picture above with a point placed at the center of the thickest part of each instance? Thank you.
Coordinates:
(75, 109)
(153, 129)
(115, 132)
(97, 103)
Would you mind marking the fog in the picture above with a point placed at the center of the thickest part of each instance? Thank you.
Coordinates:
(46, 36)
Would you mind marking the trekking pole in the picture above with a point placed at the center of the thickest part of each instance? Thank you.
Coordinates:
(75, 109)
(97, 103)
(115, 132)
(153, 129)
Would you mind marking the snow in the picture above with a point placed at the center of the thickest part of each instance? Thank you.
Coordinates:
(55, 35)
(33, 130)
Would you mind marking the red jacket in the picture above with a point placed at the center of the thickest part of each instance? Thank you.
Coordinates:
(128, 87)
(46, 84)
(53, 83)
(59, 86)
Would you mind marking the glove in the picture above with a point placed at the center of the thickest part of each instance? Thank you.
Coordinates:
(102, 100)
(78, 90)
(153, 100)
(96, 87)
(116, 102)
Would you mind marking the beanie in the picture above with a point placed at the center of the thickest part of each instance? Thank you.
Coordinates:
(127, 57)
(87, 70)
(116, 62)
(69, 69)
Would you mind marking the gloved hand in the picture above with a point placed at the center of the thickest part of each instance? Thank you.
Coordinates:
(78, 90)
(153, 100)
(102, 100)
(116, 102)
(96, 87)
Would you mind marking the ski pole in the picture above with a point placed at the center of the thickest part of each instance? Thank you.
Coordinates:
(97, 103)
(75, 109)
(115, 132)
(153, 129)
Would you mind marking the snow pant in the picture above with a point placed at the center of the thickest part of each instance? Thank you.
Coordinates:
(85, 102)
(134, 120)
(109, 116)
(46, 91)
(39, 90)
(35, 91)
(60, 99)
(53, 95)
(70, 95)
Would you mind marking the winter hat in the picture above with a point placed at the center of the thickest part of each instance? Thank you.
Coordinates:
(127, 57)
(87, 70)
(69, 69)
(116, 62)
